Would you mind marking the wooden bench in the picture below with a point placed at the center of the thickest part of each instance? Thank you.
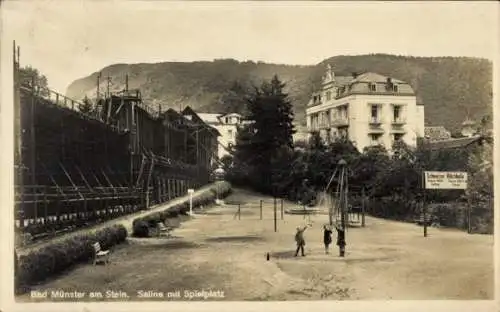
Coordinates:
(164, 229)
(99, 254)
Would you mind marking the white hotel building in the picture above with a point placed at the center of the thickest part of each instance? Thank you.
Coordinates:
(368, 109)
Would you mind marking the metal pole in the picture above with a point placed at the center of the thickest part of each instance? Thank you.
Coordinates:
(424, 205)
(363, 207)
(190, 203)
(261, 209)
(239, 211)
(469, 216)
(282, 209)
(275, 216)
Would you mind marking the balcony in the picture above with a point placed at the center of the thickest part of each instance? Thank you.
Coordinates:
(324, 125)
(398, 121)
(375, 121)
(340, 122)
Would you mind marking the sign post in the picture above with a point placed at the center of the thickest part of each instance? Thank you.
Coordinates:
(190, 192)
(442, 180)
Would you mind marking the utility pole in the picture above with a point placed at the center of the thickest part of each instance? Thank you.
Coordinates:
(108, 85)
(98, 85)
(18, 156)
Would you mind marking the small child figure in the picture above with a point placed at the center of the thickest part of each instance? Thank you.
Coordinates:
(341, 239)
(300, 240)
(327, 237)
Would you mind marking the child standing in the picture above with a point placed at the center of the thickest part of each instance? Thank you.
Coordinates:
(300, 240)
(327, 237)
(341, 240)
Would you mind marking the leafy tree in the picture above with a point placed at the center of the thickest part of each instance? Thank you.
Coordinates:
(28, 75)
(369, 166)
(234, 100)
(86, 107)
(263, 145)
(480, 188)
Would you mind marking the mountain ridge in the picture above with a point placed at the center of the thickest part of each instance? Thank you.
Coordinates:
(451, 88)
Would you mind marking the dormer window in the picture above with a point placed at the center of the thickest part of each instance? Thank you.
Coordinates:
(372, 87)
(395, 88)
(328, 95)
(226, 119)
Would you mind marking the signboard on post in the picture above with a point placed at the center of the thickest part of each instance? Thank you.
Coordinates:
(190, 192)
(442, 180)
(445, 180)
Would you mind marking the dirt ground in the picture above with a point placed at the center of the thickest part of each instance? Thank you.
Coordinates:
(217, 251)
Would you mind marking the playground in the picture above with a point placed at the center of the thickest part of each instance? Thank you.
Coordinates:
(222, 250)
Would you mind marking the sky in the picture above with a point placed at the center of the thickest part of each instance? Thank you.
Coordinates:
(67, 40)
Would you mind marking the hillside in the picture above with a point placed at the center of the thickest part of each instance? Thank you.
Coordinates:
(451, 88)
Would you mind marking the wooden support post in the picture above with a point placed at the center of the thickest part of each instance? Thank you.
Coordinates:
(424, 204)
(169, 186)
(32, 148)
(282, 214)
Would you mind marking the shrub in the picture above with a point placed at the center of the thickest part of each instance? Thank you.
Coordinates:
(58, 256)
(140, 228)
(141, 225)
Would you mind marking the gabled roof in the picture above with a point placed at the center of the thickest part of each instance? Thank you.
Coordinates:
(455, 143)
(374, 77)
(209, 117)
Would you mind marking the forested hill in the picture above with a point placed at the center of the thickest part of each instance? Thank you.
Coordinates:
(451, 88)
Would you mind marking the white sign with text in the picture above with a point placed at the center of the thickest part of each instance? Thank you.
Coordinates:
(445, 180)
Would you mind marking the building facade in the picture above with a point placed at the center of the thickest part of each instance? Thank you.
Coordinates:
(227, 125)
(368, 109)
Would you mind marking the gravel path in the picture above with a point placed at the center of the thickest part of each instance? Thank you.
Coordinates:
(215, 250)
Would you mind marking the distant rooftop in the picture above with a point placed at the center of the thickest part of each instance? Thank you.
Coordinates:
(437, 133)
(209, 117)
(455, 143)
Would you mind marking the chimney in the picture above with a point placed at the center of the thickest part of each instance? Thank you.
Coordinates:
(354, 75)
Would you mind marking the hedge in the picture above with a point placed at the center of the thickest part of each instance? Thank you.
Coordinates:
(58, 256)
(141, 225)
(449, 214)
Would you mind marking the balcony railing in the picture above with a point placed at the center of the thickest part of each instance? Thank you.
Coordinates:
(340, 122)
(398, 121)
(375, 121)
(324, 125)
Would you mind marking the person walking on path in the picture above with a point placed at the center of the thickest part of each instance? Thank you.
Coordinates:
(300, 240)
(341, 240)
(327, 237)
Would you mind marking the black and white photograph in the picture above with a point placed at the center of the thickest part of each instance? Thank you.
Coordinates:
(167, 152)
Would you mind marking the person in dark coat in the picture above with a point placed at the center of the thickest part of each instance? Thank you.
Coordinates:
(341, 239)
(327, 237)
(300, 240)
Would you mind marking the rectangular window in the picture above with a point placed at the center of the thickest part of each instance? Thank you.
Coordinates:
(227, 120)
(397, 113)
(374, 113)
(398, 137)
(372, 87)
(374, 139)
(230, 132)
(328, 95)
(395, 88)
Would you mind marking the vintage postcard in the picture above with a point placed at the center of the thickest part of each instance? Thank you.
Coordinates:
(248, 155)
